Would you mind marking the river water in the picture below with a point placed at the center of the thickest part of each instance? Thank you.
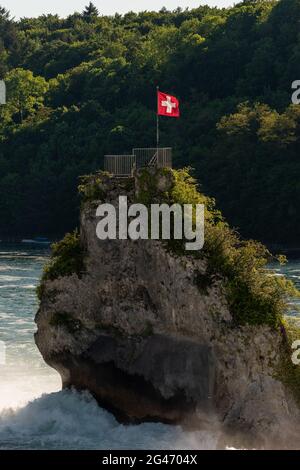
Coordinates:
(34, 412)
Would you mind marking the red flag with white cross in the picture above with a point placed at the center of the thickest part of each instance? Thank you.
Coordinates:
(167, 105)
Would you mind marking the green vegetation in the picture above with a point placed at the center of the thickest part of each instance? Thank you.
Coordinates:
(148, 191)
(41, 292)
(67, 258)
(91, 187)
(84, 86)
(26, 95)
(254, 295)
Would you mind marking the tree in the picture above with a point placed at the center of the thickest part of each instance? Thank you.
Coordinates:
(90, 11)
(25, 92)
(4, 14)
(237, 63)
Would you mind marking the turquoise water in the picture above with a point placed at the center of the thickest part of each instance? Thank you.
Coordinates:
(25, 370)
(34, 413)
(292, 271)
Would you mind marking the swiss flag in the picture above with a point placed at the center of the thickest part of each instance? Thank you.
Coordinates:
(167, 105)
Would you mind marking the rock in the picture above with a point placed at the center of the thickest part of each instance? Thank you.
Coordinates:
(138, 333)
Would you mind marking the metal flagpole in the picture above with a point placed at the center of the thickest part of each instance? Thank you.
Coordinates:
(157, 123)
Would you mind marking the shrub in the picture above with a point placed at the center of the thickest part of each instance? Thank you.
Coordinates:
(67, 258)
(91, 187)
(254, 295)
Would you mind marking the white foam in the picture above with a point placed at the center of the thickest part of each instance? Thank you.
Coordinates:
(72, 420)
(34, 414)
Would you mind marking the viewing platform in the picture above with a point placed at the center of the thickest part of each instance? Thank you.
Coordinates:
(125, 165)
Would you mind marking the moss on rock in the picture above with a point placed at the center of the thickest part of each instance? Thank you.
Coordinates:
(67, 258)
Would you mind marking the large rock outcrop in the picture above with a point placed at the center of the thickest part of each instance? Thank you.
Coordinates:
(137, 331)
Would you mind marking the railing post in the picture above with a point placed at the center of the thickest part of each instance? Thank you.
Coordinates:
(124, 165)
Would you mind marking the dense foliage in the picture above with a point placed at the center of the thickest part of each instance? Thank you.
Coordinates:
(254, 296)
(67, 258)
(84, 86)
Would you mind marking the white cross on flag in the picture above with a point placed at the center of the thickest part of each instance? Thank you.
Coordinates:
(167, 105)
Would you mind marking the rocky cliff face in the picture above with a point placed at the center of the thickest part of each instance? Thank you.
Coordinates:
(137, 331)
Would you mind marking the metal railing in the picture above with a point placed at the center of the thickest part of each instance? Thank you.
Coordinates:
(145, 156)
(124, 165)
(119, 165)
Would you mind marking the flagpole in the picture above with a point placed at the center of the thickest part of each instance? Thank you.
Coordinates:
(157, 123)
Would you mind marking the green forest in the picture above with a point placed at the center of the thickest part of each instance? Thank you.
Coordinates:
(83, 86)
